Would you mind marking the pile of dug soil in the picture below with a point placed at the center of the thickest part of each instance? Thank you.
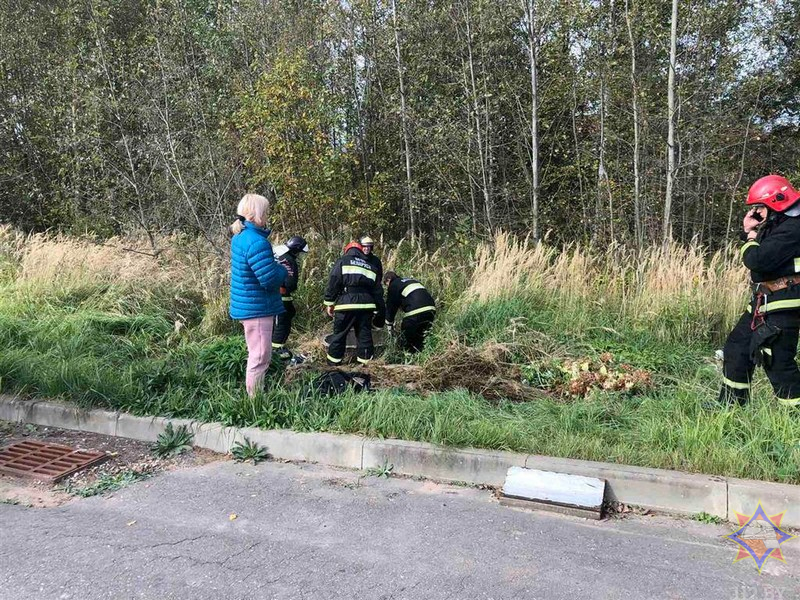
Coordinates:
(486, 371)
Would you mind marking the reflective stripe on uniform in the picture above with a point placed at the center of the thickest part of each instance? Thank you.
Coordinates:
(287, 298)
(780, 305)
(797, 265)
(411, 287)
(747, 246)
(329, 303)
(363, 361)
(354, 270)
(735, 384)
(789, 401)
(355, 306)
(334, 360)
(767, 351)
(277, 346)
(417, 311)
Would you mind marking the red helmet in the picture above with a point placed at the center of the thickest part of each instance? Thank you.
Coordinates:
(352, 245)
(773, 191)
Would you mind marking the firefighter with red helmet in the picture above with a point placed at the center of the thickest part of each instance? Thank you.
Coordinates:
(354, 298)
(767, 333)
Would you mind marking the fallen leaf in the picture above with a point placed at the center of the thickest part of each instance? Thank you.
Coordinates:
(131, 523)
(233, 517)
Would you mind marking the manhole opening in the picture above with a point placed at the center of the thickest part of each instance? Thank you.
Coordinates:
(46, 462)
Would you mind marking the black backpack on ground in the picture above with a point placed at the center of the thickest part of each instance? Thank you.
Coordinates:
(333, 383)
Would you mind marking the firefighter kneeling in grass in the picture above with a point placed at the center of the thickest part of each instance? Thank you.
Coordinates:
(354, 299)
(418, 306)
(767, 333)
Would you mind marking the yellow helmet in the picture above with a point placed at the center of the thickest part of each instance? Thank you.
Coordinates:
(366, 241)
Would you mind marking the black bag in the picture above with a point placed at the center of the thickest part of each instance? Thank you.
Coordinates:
(762, 338)
(333, 383)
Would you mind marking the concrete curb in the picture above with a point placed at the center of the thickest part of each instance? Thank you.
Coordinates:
(657, 489)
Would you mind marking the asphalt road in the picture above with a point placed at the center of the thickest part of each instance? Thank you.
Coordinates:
(305, 531)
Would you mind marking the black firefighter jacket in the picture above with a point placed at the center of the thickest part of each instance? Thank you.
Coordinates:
(776, 254)
(408, 295)
(354, 285)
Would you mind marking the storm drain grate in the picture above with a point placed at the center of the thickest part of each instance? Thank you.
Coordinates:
(45, 462)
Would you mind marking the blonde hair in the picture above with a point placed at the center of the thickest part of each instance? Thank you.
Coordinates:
(253, 208)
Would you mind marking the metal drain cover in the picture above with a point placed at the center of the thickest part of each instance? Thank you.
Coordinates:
(45, 462)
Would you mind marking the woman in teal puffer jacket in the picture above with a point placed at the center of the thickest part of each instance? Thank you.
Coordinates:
(256, 279)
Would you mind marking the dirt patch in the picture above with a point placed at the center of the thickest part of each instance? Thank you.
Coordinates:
(129, 461)
(26, 493)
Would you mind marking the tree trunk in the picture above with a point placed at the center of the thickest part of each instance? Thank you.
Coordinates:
(530, 18)
(404, 121)
(482, 151)
(673, 50)
(637, 212)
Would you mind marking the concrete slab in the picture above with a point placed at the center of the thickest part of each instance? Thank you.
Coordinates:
(480, 467)
(571, 511)
(658, 489)
(327, 448)
(67, 416)
(548, 488)
(14, 409)
(98, 421)
(214, 436)
(145, 429)
(51, 414)
(744, 496)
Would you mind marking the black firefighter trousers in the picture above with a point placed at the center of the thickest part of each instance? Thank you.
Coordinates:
(343, 322)
(779, 359)
(282, 328)
(413, 330)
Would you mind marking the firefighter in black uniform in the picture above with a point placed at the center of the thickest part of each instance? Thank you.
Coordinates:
(354, 298)
(368, 244)
(767, 333)
(418, 306)
(283, 323)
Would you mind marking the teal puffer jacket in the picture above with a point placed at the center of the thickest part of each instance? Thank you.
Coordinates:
(256, 277)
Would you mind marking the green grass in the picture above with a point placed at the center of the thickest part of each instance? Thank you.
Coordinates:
(704, 517)
(107, 483)
(116, 347)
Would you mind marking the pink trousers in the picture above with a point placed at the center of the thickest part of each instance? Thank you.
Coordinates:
(258, 335)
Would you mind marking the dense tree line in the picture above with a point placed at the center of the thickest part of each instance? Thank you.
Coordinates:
(590, 120)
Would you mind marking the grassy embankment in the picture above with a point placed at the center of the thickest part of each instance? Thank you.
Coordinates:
(104, 327)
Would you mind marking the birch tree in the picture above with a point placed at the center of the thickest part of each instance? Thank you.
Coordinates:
(671, 110)
(404, 121)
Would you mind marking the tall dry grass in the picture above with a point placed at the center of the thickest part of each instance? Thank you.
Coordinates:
(640, 286)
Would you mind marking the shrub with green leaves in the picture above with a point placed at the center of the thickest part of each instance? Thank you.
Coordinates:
(249, 450)
(172, 441)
